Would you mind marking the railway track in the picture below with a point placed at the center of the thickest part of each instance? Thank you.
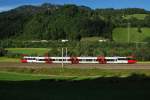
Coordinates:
(82, 66)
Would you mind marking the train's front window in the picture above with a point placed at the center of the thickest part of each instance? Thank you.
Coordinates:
(131, 59)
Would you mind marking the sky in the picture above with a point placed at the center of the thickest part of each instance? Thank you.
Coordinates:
(10, 4)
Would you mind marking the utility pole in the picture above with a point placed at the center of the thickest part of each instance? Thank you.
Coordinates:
(63, 41)
(62, 64)
(66, 52)
(128, 32)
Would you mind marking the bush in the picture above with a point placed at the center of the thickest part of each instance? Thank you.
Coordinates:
(3, 52)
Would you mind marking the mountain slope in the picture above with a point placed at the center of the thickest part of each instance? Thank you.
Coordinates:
(53, 22)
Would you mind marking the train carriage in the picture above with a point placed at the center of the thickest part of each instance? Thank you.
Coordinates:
(79, 60)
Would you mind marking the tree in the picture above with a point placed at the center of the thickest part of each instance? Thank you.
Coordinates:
(3, 52)
(139, 29)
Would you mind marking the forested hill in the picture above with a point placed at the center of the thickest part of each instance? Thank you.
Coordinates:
(53, 22)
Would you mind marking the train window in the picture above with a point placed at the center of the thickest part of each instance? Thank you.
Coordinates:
(80, 59)
(53, 59)
(110, 59)
(94, 60)
(56, 59)
(29, 58)
(41, 59)
(88, 59)
(61, 59)
(122, 58)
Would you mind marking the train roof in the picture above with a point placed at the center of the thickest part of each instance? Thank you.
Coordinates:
(38, 57)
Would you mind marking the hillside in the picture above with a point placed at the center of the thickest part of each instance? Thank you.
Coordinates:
(121, 34)
(55, 22)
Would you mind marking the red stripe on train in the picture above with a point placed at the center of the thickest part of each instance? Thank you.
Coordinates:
(24, 61)
(132, 61)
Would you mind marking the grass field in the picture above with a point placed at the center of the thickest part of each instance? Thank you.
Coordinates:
(121, 34)
(7, 59)
(15, 86)
(29, 51)
(138, 16)
(78, 73)
(13, 76)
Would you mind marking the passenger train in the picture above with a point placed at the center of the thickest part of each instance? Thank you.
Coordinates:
(79, 60)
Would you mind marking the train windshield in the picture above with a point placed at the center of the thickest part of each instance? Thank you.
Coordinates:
(131, 59)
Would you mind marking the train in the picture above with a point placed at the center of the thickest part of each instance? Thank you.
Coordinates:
(79, 60)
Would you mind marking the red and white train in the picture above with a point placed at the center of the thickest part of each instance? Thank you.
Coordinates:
(79, 60)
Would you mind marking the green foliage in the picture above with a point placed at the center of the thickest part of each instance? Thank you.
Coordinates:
(139, 29)
(2, 52)
(54, 22)
(92, 39)
(26, 26)
(147, 39)
(147, 20)
(55, 52)
(86, 48)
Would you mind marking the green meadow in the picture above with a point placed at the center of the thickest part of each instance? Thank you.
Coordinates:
(29, 51)
(14, 76)
(138, 16)
(8, 59)
(27, 86)
(121, 34)
(71, 72)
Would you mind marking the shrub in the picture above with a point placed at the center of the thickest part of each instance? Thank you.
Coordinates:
(3, 52)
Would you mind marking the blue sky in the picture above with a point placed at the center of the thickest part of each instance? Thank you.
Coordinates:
(9, 4)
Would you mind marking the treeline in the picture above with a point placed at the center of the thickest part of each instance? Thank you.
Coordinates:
(139, 23)
(117, 16)
(75, 48)
(54, 22)
(120, 12)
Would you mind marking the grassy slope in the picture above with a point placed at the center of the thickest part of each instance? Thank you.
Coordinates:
(103, 88)
(6, 59)
(138, 16)
(53, 72)
(29, 51)
(121, 34)
(13, 76)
